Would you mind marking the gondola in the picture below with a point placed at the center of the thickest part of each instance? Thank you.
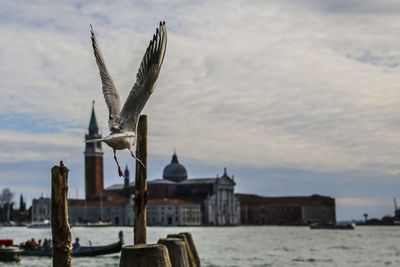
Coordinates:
(83, 251)
(331, 226)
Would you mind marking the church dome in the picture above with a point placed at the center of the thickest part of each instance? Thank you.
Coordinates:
(175, 171)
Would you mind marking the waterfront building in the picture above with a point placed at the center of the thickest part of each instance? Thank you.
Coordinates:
(204, 201)
(176, 199)
(287, 210)
(41, 209)
(169, 212)
(215, 196)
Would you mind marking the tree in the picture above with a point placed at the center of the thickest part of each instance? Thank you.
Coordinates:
(366, 217)
(22, 204)
(6, 204)
(6, 196)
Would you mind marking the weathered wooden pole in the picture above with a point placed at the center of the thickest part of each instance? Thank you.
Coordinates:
(59, 217)
(150, 255)
(139, 234)
(142, 254)
(191, 258)
(192, 247)
(176, 251)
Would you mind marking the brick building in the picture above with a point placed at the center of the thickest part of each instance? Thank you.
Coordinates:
(286, 210)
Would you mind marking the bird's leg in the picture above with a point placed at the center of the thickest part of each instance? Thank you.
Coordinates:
(119, 168)
(133, 155)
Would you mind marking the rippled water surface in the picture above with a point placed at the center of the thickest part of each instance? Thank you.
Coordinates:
(245, 246)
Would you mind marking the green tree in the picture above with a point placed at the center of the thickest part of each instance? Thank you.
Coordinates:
(22, 204)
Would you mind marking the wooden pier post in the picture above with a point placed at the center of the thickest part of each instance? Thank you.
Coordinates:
(191, 257)
(192, 246)
(142, 254)
(176, 251)
(154, 255)
(139, 235)
(61, 233)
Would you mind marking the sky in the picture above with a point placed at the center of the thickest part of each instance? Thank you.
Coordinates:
(294, 98)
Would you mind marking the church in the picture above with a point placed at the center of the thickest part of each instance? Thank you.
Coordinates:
(174, 199)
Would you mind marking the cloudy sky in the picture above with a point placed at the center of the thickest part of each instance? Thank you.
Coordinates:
(293, 97)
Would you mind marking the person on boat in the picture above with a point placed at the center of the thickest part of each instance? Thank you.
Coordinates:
(76, 245)
(33, 244)
(26, 244)
(46, 244)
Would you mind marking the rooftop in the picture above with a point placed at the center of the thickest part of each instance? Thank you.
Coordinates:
(172, 201)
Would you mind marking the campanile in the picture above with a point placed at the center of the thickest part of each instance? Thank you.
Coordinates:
(93, 160)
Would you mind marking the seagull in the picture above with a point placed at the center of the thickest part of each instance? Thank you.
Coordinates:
(123, 123)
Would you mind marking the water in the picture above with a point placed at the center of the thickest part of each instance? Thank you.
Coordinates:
(245, 246)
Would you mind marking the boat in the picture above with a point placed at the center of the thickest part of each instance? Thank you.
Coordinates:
(83, 251)
(99, 224)
(93, 224)
(8, 252)
(44, 224)
(332, 226)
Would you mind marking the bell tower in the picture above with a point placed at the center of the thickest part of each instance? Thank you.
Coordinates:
(93, 160)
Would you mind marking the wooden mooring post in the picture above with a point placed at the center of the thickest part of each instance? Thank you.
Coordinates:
(176, 250)
(150, 255)
(192, 246)
(142, 254)
(61, 233)
(192, 255)
(140, 227)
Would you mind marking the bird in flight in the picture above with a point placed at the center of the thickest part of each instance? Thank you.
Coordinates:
(123, 123)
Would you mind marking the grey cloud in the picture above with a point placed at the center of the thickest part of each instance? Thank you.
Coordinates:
(274, 83)
(351, 7)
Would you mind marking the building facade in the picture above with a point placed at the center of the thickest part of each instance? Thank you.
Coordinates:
(41, 209)
(110, 208)
(177, 212)
(258, 210)
(215, 196)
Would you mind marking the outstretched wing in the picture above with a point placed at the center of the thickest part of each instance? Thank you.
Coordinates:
(145, 80)
(110, 92)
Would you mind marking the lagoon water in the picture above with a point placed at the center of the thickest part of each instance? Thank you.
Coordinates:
(244, 245)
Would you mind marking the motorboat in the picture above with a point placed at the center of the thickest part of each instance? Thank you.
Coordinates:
(9, 252)
(44, 224)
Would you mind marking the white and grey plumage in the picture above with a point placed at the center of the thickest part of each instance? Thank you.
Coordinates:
(123, 123)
